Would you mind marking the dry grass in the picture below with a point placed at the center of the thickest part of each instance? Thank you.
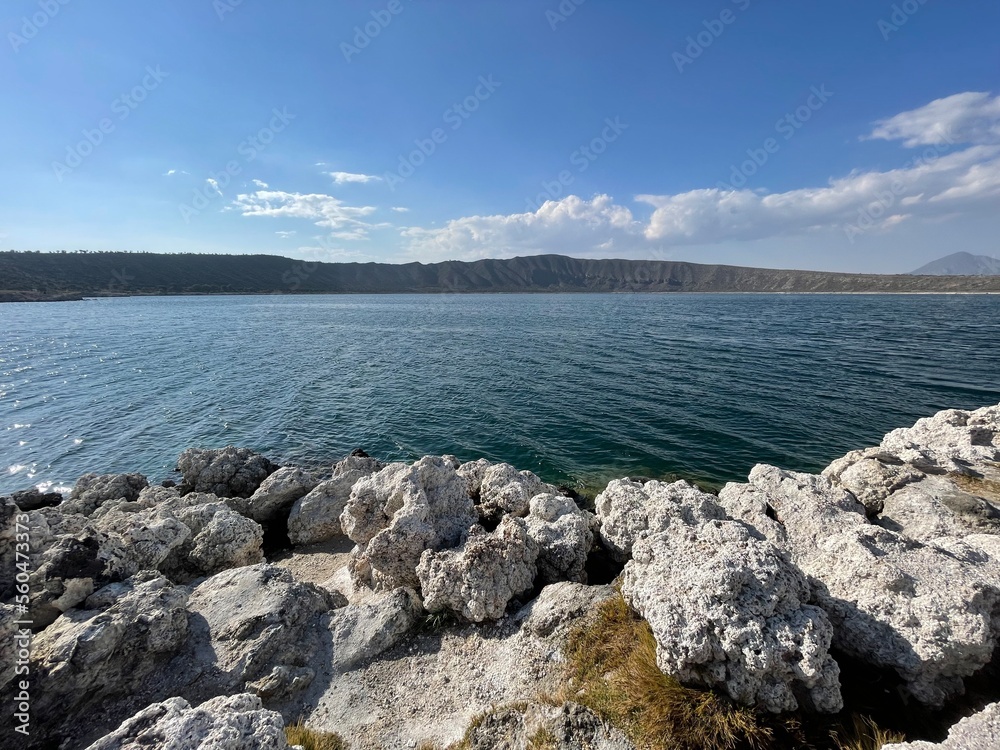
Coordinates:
(612, 671)
(543, 739)
(299, 734)
(863, 734)
(980, 486)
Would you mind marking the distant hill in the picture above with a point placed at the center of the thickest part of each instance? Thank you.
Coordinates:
(103, 274)
(961, 264)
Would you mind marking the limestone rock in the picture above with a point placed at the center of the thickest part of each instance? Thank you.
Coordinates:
(477, 580)
(258, 618)
(950, 441)
(936, 507)
(729, 611)
(564, 537)
(235, 722)
(93, 490)
(316, 516)
(626, 509)
(473, 472)
(926, 611)
(401, 511)
(506, 491)
(363, 631)
(33, 499)
(559, 604)
(276, 494)
(871, 476)
(225, 472)
(568, 727)
(980, 731)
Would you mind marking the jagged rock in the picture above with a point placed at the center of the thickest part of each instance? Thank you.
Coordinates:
(504, 490)
(566, 727)
(282, 681)
(564, 537)
(9, 513)
(234, 722)
(397, 513)
(559, 604)
(893, 601)
(626, 509)
(257, 618)
(980, 731)
(477, 580)
(277, 493)
(950, 441)
(110, 649)
(473, 472)
(8, 646)
(93, 490)
(363, 631)
(316, 516)
(871, 476)
(936, 507)
(729, 611)
(33, 499)
(225, 472)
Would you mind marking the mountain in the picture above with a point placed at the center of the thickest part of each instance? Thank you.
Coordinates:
(104, 274)
(961, 264)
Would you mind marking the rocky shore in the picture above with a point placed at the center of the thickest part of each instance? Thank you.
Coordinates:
(416, 606)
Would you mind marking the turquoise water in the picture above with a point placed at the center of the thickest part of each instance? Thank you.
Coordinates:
(578, 388)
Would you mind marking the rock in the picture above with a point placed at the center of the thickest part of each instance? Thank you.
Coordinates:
(225, 472)
(92, 491)
(893, 601)
(276, 494)
(569, 726)
(9, 514)
(980, 731)
(401, 511)
(936, 507)
(473, 473)
(506, 491)
(316, 517)
(9, 648)
(729, 612)
(110, 650)
(363, 631)
(564, 537)
(559, 604)
(477, 580)
(258, 618)
(950, 441)
(871, 476)
(626, 509)
(33, 499)
(235, 722)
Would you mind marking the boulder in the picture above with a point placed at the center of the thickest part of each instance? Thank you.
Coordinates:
(33, 499)
(928, 612)
(225, 472)
(473, 472)
(981, 731)
(560, 604)
(93, 490)
(316, 516)
(275, 495)
(871, 476)
(626, 509)
(936, 507)
(234, 722)
(363, 631)
(729, 612)
(401, 511)
(950, 441)
(478, 579)
(504, 490)
(563, 533)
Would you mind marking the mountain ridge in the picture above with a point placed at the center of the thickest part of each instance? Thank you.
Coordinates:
(961, 264)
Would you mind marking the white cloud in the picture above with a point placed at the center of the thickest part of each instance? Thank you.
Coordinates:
(214, 185)
(260, 183)
(172, 172)
(286, 235)
(323, 210)
(400, 209)
(341, 178)
(970, 117)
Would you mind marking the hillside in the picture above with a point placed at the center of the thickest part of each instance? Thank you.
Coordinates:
(961, 264)
(93, 274)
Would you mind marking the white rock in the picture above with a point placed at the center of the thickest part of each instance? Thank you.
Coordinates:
(951, 440)
(980, 731)
(506, 491)
(276, 494)
(93, 490)
(226, 472)
(316, 516)
(363, 631)
(564, 537)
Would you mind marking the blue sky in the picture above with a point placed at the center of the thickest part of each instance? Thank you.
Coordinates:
(854, 135)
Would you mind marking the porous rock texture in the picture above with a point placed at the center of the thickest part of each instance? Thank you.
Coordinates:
(628, 508)
(729, 611)
(478, 579)
(981, 731)
(930, 613)
(93, 490)
(316, 516)
(569, 726)
(276, 494)
(226, 472)
(503, 490)
(401, 511)
(564, 535)
(233, 722)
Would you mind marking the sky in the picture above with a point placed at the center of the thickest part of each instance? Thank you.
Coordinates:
(856, 135)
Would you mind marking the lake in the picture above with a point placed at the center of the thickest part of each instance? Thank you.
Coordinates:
(577, 388)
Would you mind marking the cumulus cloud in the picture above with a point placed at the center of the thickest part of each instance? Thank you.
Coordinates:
(322, 210)
(970, 117)
(937, 181)
(341, 178)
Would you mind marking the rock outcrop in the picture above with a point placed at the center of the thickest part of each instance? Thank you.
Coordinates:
(569, 726)
(93, 490)
(564, 535)
(981, 731)
(225, 472)
(275, 495)
(316, 516)
(234, 722)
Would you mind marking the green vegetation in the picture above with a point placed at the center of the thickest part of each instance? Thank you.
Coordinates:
(299, 734)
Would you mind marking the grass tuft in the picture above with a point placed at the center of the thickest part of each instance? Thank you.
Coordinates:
(863, 734)
(299, 734)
